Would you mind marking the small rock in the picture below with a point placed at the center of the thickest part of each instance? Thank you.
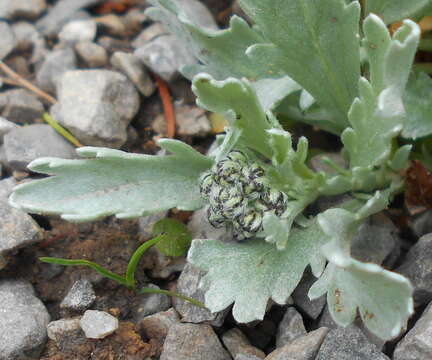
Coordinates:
(246, 357)
(304, 347)
(148, 34)
(422, 224)
(54, 66)
(8, 41)
(5, 127)
(130, 65)
(165, 55)
(112, 44)
(200, 228)
(17, 229)
(61, 13)
(20, 106)
(98, 324)
(112, 25)
(23, 321)
(347, 344)
(156, 327)
(27, 143)
(146, 223)
(237, 343)
(417, 344)
(78, 31)
(134, 20)
(164, 266)
(93, 55)
(193, 342)
(28, 38)
(80, 297)
(190, 120)
(312, 308)
(60, 329)
(96, 106)
(152, 304)
(417, 267)
(290, 328)
(29, 9)
(188, 285)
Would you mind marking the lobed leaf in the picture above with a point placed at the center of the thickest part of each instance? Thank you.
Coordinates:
(112, 182)
(395, 10)
(251, 273)
(378, 115)
(313, 42)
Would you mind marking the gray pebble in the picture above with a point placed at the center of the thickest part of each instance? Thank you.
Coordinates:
(93, 55)
(417, 267)
(17, 229)
(5, 127)
(290, 328)
(30, 9)
(53, 67)
(80, 297)
(59, 329)
(304, 347)
(238, 344)
(96, 106)
(246, 357)
(188, 285)
(152, 303)
(23, 321)
(98, 324)
(149, 33)
(8, 41)
(131, 66)
(20, 106)
(62, 12)
(29, 39)
(165, 55)
(422, 223)
(193, 342)
(78, 31)
(417, 344)
(27, 143)
(347, 344)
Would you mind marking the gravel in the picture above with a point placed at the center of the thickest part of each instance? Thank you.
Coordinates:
(96, 106)
(80, 297)
(98, 324)
(59, 329)
(78, 31)
(417, 344)
(7, 40)
(5, 127)
(237, 343)
(54, 66)
(20, 106)
(23, 145)
(290, 328)
(91, 54)
(151, 303)
(29, 9)
(23, 321)
(193, 342)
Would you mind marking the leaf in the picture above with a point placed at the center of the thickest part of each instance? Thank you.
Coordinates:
(251, 273)
(114, 182)
(395, 10)
(418, 105)
(313, 42)
(238, 102)
(384, 298)
(378, 115)
(177, 238)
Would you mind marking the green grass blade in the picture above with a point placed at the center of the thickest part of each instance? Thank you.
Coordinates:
(101, 270)
(173, 294)
(61, 130)
(136, 257)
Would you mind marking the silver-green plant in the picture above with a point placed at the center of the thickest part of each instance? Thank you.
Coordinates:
(312, 62)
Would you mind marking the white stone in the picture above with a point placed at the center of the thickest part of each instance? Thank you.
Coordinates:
(98, 324)
(78, 31)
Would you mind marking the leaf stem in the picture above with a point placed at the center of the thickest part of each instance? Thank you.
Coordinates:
(173, 294)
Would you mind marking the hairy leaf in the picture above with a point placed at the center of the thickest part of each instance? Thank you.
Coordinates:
(418, 106)
(395, 10)
(113, 182)
(315, 43)
(237, 100)
(251, 273)
(378, 115)
(384, 298)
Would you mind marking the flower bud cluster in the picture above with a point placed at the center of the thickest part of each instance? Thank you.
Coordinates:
(239, 195)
